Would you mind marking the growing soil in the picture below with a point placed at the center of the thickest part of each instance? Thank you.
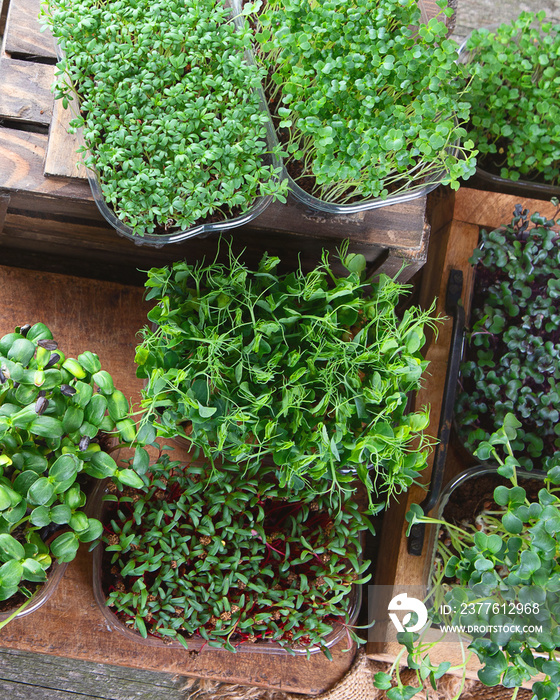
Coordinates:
(18, 599)
(469, 499)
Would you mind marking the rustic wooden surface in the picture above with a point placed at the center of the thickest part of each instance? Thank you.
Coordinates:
(52, 218)
(28, 676)
(26, 91)
(450, 248)
(61, 159)
(104, 317)
(22, 36)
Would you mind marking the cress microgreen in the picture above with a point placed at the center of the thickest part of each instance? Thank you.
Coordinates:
(512, 356)
(498, 570)
(366, 98)
(54, 414)
(311, 369)
(169, 107)
(514, 93)
(227, 555)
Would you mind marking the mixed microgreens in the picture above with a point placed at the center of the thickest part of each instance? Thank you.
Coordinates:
(513, 351)
(366, 104)
(514, 93)
(311, 369)
(502, 573)
(228, 556)
(51, 423)
(169, 107)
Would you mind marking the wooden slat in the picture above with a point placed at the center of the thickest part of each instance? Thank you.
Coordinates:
(3, 13)
(22, 155)
(105, 317)
(490, 209)
(84, 248)
(62, 160)
(41, 677)
(25, 93)
(4, 203)
(23, 36)
(399, 227)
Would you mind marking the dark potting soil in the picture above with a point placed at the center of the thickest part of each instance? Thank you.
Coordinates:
(10, 604)
(474, 495)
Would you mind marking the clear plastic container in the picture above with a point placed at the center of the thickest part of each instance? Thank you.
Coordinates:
(196, 643)
(494, 183)
(408, 193)
(158, 240)
(42, 594)
(476, 472)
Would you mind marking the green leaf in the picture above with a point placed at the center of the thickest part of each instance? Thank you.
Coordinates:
(206, 411)
(10, 548)
(65, 547)
(10, 574)
(129, 478)
(41, 491)
(65, 467)
(46, 426)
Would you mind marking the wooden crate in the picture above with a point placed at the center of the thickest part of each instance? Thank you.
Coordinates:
(48, 218)
(104, 317)
(450, 248)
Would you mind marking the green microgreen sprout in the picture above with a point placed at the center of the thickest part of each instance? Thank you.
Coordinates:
(499, 571)
(514, 93)
(366, 98)
(310, 369)
(57, 414)
(512, 357)
(227, 556)
(169, 106)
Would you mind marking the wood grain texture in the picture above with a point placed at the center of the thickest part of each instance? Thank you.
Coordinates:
(4, 203)
(104, 317)
(398, 226)
(491, 209)
(25, 93)
(3, 14)
(62, 159)
(23, 36)
(22, 155)
(37, 676)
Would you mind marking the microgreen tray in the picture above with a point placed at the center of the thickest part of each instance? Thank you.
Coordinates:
(197, 643)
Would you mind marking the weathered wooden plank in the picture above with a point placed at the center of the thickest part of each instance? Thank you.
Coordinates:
(3, 13)
(63, 244)
(491, 209)
(25, 93)
(62, 160)
(26, 675)
(4, 203)
(23, 36)
(21, 691)
(22, 156)
(399, 226)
